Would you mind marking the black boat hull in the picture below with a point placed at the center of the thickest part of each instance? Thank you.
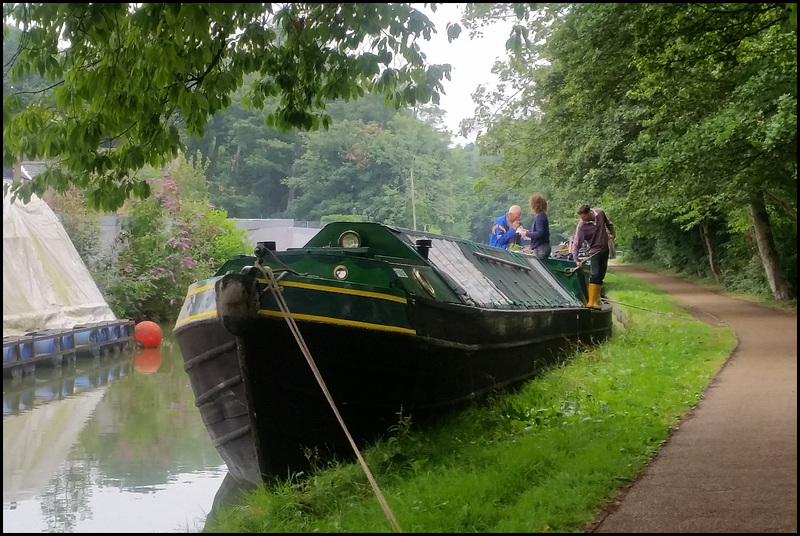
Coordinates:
(211, 359)
(372, 376)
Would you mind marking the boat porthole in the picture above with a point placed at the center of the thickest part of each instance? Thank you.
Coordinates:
(340, 272)
(349, 239)
(424, 282)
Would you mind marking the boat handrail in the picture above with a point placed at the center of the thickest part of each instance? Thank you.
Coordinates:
(502, 261)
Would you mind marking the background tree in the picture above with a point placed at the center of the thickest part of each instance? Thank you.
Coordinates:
(247, 161)
(370, 170)
(26, 87)
(678, 119)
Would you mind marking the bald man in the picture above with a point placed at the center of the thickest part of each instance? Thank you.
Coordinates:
(504, 229)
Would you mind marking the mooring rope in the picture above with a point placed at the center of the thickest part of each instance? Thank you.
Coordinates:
(272, 283)
(671, 315)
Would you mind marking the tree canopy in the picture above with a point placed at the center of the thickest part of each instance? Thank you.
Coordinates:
(125, 82)
(678, 117)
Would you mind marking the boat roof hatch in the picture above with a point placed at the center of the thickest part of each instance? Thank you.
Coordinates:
(493, 277)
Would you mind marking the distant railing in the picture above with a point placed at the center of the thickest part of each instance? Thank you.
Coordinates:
(309, 224)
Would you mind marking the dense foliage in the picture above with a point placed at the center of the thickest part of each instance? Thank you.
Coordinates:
(679, 119)
(167, 242)
(365, 165)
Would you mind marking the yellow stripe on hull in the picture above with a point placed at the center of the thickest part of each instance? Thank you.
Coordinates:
(340, 322)
(353, 292)
(312, 318)
(182, 321)
(198, 290)
(321, 288)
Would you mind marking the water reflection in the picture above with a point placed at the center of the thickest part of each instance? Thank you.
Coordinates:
(50, 384)
(114, 445)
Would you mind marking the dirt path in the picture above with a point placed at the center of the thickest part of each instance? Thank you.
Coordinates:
(731, 466)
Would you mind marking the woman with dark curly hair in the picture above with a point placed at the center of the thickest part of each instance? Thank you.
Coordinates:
(539, 233)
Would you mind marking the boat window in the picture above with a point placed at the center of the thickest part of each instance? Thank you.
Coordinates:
(340, 272)
(424, 282)
(349, 239)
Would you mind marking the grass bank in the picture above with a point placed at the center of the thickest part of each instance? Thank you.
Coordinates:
(542, 459)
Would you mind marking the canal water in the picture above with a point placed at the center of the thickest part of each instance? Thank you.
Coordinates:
(114, 445)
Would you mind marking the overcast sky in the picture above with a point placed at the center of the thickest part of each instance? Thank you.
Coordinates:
(472, 62)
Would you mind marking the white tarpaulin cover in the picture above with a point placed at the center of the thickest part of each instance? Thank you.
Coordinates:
(45, 283)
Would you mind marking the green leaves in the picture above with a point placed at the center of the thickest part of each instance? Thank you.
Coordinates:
(671, 116)
(453, 31)
(126, 74)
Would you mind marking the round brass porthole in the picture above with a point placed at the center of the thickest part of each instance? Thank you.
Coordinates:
(424, 282)
(349, 239)
(340, 272)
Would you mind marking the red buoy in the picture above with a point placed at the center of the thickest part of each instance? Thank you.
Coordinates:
(148, 333)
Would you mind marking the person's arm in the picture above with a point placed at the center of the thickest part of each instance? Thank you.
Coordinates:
(502, 236)
(521, 232)
(576, 244)
(612, 232)
(510, 237)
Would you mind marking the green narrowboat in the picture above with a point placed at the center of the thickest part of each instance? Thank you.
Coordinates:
(298, 355)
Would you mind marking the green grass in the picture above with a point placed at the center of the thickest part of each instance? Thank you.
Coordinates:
(545, 458)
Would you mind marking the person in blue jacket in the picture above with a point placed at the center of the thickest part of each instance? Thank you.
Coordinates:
(504, 229)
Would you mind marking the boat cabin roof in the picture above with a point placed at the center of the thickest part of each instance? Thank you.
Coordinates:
(480, 274)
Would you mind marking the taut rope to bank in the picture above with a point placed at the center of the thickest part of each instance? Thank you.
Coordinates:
(272, 283)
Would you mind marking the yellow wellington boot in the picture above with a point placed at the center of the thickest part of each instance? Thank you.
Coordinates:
(594, 296)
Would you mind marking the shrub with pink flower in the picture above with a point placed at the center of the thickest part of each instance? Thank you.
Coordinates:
(167, 243)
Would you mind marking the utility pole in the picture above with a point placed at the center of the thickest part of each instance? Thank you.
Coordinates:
(413, 203)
